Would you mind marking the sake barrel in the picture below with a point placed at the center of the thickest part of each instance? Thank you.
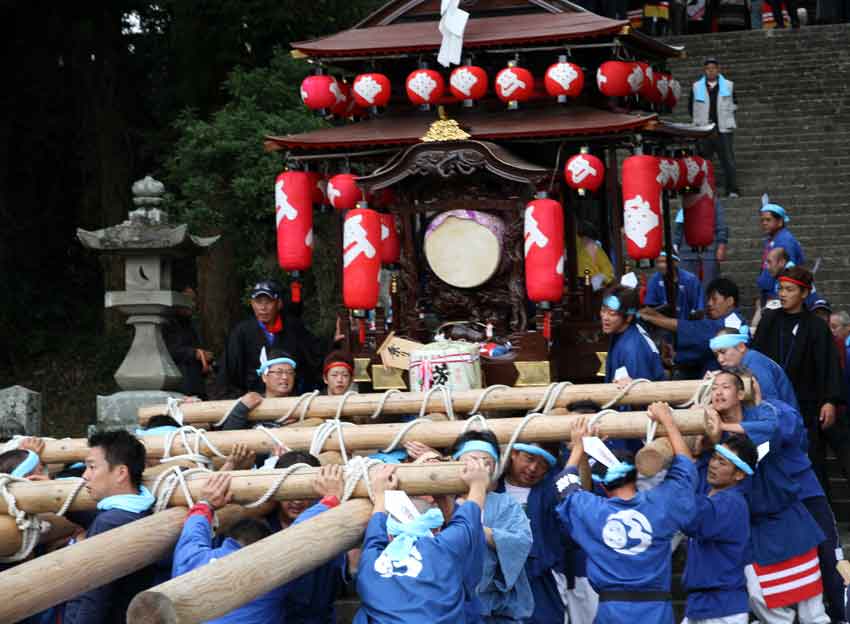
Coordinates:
(464, 247)
(450, 363)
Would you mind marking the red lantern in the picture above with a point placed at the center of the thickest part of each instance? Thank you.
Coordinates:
(699, 211)
(390, 242)
(425, 87)
(668, 173)
(320, 92)
(514, 85)
(468, 83)
(342, 191)
(674, 93)
(564, 80)
(371, 90)
(619, 78)
(694, 171)
(544, 250)
(584, 172)
(294, 216)
(647, 88)
(642, 207)
(361, 260)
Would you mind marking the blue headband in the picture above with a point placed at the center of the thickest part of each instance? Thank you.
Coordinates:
(393, 457)
(618, 471)
(269, 363)
(407, 533)
(531, 449)
(740, 464)
(613, 303)
(477, 445)
(727, 341)
(776, 209)
(162, 430)
(27, 466)
(674, 256)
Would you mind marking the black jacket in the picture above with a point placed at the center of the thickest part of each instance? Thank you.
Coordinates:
(182, 340)
(237, 372)
(809, 358)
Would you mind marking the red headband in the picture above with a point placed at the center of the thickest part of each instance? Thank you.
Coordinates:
(785, 278)
(343, 364)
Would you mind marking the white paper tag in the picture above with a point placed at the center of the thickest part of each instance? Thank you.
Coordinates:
(763, 449)
(398, 504)
(596, 448)
(732, 321)
(621, 373)
(629, 280)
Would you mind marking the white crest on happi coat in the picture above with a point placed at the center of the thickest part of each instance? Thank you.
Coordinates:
(367, 88)
(640, 219)
(509, 82)
(635, 78)
(463, 80)
(283, 209)
(422, 84)
(355, 241)
(533, 233)
(580, 168)
(563, 73)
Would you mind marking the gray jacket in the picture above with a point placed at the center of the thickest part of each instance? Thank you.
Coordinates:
(725, 104)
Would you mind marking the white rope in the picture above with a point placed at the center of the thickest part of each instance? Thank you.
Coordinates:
(446, 393)
(342, 400)
(224, 418)
(168, 482)
(594, 420)
(651, 427)
(624, 391)
(306, 399)
(554, 394)
(380, 409)
(192, 446)
(506, 454)
(701, 396)
(358, 470)
(389, 448)
(475, 418)
(326, 430)
(275, 440)
(81, 483)
(484, 395)
(173, 408)
(277, 483)
(544, 399)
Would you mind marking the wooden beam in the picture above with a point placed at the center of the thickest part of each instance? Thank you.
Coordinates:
(508, 399)
(213, 590)
(552, 428)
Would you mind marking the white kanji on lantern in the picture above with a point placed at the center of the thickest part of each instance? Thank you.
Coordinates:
(304, 95)
(648, 72)
(509, 82)
(463, 80)
(355, 241)
(533, 234)
(559, 268)
(333, 193)
(693, 169)
(635, 78)
(308, 239)
(385, 232)
(422, 85)
(368, 88)
(283, 209)
(601, 78)
(563, 74)
(662, 85)
(580, 168)
(640, 219)
(337, 92)
(676, 88)
(667, 170)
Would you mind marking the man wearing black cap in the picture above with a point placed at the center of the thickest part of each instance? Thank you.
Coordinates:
(268, 327)
(713, 101)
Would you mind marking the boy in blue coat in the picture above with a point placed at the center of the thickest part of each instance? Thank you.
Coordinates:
(627, 535)
(631, 352)
(773, 219)
(406, 573)
(719, 536)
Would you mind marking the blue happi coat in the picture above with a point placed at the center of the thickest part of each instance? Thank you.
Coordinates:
(692, 339)
(773, 381)
(548, 550)
(433, 585)
(785, 239)
(195, 548)
(781, 527)
(634, 351)
(628, 541)
(689, 299)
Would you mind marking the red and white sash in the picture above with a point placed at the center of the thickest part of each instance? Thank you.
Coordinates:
(790, 581)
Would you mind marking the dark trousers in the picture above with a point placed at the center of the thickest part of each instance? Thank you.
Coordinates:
(791, 5)
(836, 438)
(722, 144)
(833, 585)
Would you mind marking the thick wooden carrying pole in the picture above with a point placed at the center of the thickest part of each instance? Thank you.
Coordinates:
(247, 486)
(506, 399)
(214, 590)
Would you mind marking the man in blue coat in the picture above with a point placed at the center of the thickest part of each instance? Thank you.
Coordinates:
(774, 219)
(631, 352)
(689, 299)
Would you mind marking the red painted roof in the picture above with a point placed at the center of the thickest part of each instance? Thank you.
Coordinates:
(480, 32)
(505, 125)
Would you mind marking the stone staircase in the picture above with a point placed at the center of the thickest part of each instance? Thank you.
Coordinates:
(792, 142)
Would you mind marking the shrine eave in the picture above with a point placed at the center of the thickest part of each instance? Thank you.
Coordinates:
(528, 29)
(502, 125)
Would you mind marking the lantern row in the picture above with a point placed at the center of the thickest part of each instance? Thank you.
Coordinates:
(370, 238)
(469, 83)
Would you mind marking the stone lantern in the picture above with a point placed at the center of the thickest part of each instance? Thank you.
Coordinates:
(149, 245)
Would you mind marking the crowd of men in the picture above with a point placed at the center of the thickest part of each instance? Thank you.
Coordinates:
(569, 532)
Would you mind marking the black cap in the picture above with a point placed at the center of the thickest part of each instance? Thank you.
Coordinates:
(710, 60)
(269, 288)
(821, 304)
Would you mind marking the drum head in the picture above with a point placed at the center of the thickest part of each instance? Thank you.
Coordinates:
(464, 247)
